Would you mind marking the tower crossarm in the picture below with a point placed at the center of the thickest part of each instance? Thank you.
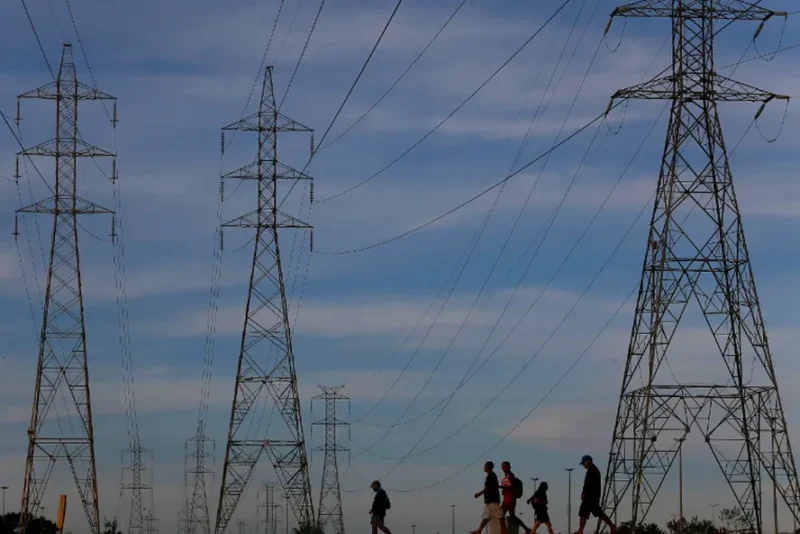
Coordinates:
(718, 9)
(80, 207)
(250, 172)
(721, 89)
(274, 122)
(80, 91)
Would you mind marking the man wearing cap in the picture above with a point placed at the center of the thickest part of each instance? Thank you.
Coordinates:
(378, 511)
(590, 496)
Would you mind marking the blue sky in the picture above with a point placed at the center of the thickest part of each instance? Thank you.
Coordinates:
(183, 69)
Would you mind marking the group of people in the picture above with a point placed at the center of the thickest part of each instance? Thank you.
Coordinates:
(504, 510)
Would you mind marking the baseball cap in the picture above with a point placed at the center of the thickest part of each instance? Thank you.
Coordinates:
(585, 458)
(374, 484)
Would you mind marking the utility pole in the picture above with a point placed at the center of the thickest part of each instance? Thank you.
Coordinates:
(62, 368)
(413, 529)
(453, 522)
(697, 253)
(266, 358)
(714, 514)
(680, 483)
(330, 495)
(4, 488)
(569, 498)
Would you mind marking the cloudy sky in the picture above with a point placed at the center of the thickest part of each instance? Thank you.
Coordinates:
(453, 350)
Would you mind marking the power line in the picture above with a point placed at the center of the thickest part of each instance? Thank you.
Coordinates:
(468, 253)
(302, 54)
(360, 73)
(397, 81)
(456, 110)
(38, 40)
(476, 196)
(539, 114)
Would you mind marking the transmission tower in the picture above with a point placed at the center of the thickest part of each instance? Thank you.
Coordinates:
(696, 252)
(62, 370)
(136, 479)
(270, 507)
(197, 456)
(330, 496)
(266, 360)
(150, 524)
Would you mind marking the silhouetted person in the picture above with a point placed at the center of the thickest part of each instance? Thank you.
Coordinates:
(540, 513)
(590, 496)
(491, 500)
(378, 511)
(509, 506)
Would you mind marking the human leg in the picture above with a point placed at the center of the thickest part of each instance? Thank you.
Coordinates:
(583, 514)
(550, 527)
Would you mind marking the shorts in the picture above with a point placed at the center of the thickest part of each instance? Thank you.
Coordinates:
(590, 508)
(376, 521)
(542, 516)
(492, 510)
(509, 505)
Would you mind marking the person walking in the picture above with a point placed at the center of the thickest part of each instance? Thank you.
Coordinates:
(512, 490)
(590, 496)
(540, 514)
(491, 500)
(380, 504)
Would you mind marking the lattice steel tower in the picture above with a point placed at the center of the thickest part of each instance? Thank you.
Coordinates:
(697, 252)
(62, 370)
(330, 495)
(270, 507)
(266, 360)
(137, 478)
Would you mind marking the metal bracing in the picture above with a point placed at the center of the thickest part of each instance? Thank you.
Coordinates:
(697, 253)
(330, 495)
(62, 371)
(266, 365)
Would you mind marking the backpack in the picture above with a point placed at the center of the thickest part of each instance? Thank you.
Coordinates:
(516, 486)
(386, 499)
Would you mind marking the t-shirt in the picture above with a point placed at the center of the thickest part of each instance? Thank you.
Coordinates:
(491, 489)
(508, 488)
(379, 505)
(592, 489)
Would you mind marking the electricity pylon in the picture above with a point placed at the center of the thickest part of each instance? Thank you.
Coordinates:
(270, 507)
(135, 479)
(62, 370)
(195, 471)
(330, 495)
(697, 252)
(266, 359)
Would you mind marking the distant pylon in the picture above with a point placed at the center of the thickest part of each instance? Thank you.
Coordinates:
(62, 370)
(696, 251)
(266, 359)
(270, 507)
(135, 479)
(330, 496)
(196, 506)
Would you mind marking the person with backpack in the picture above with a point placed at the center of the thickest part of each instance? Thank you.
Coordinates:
(379, 507)
(540, 514)
(512, 490)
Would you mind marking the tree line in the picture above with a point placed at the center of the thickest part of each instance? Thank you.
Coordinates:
(732, 520)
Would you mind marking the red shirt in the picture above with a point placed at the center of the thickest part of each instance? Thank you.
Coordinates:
(508, 489)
